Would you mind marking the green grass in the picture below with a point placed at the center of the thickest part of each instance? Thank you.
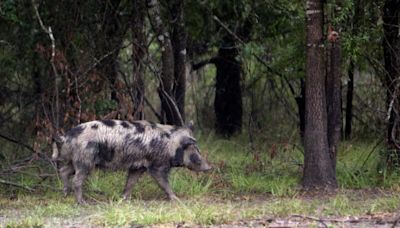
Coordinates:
(205, 211)
(243, 185)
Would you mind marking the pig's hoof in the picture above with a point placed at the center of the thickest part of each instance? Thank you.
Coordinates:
(82, 202)
(66, 192)
(173, 198)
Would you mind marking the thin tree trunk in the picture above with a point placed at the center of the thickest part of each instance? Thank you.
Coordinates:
(391, 48)
(111, 37)
(179, 38)
(169, 109)
(319, 169)
(349, 102)
(350, 84)
(138, 53)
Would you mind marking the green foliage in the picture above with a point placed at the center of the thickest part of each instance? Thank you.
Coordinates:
(8, 10)
(103, 107)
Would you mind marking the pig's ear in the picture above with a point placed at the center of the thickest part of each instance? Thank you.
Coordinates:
(187, 141)
(190, 125)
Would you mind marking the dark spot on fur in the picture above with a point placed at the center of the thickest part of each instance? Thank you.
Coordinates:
(154, 143)
(95, 126)
(92, 145)
(127, 136)
(102, 152)
(139, 127)
(165, 135)
(125, 124)
(153, 125)
(157, 145)
(106, 152)
(187, 141)
(75, 132)
(177, 161)
(174, 129)
(108, 123)
(194, 158)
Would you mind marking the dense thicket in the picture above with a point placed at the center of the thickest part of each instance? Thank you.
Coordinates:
(67, 62)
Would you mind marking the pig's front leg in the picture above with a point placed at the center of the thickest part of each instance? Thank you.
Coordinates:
(160, 174)
(133, 177)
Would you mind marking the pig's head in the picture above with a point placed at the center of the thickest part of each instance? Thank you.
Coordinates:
(188, 155)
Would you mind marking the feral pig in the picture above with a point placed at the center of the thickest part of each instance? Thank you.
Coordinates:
(137, 147)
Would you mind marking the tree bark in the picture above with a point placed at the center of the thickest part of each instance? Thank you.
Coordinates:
(333, 87)
(138, 53)
(111, 37)
(169, 109)
(319, 169)
(300, 101)
(391, 48)
(349, 102)
(179, 38)
(228, 96)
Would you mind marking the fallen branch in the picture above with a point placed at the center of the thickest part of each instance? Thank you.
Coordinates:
(17, 142)
(311, 218)
(5, 182)
(397, 220)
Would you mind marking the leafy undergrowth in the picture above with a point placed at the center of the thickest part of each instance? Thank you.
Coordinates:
(244, 185)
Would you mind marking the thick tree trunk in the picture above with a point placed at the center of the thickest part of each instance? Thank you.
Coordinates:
(228, 96)
(319, 168)
(138, 53)
(333, 88)
(334, 100)
(391, 48)
(179, 38)
(349, 102)
(169, 109)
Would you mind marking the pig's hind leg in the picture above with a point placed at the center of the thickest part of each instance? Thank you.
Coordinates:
(66, 172)
(82, 170)
(133, 177)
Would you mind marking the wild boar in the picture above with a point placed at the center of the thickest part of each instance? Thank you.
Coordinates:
(137, 147)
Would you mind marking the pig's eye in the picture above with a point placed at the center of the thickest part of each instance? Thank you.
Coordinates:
(195, 159)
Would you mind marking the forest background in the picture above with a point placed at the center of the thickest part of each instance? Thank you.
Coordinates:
(287, 97)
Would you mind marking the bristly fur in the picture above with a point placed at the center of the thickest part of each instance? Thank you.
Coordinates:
(133, 146)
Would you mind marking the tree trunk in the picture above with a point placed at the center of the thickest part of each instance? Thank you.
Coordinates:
(228, 96)
(319, 168)
(391, 48)
(138, 53)
(111, 37)
(169, 109)
(334, 100)
(333, 89)
(300, 101)
(349, 102)
(179, 37)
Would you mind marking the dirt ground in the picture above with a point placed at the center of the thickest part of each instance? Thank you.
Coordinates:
(378, 221)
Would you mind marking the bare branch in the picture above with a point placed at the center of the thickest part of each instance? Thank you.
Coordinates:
(5, 182)
(17, 142)
(49, 32)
